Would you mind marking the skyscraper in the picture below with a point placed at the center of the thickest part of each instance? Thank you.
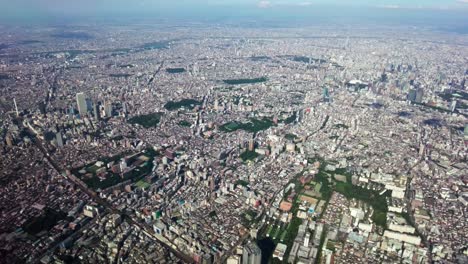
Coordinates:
(108, 109)
(251, 254)
(453, 106)
(419, 95)
(81, 102)
(251, 145)
(411, 95)
(96, 111)
(58, 138)
(326, 94)
(124, 107)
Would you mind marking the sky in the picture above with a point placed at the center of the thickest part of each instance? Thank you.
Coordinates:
(89, 5)
(30, 10)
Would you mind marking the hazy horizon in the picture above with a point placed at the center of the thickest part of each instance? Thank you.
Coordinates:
(433, 13)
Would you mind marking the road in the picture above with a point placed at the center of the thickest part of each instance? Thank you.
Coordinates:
(166, 244)
(408, 199)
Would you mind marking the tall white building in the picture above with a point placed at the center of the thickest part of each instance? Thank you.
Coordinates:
(81, 102)
(108, 109)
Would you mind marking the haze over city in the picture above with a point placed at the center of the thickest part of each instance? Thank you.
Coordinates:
(233, 131)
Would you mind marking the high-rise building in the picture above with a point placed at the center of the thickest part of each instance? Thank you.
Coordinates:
(411, 95)
(466, 132)
(71, 111)
(453, 106)
(81, 102)
(251, 145)
(108, 109)
(124, 108)
(58, 138)
(216, 104)
(96, 111)
(326, 94)
(419, 95)
(89, 105)
(123, 165)
(251, 254)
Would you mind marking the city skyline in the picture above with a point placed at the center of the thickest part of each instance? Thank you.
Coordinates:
(281, 132)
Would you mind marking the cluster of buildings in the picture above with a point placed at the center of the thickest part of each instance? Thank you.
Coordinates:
(250, 139)
(111, 239)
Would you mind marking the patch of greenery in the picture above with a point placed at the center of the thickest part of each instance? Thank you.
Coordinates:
(114, 179)
(341, 126)
(290, 136)
(92, 169)
(248, 217)
(186, 103)
(251, 213)
(380, 218)
(146, 121)
(155, 45)
(111, 178)
(254, 126)
(245, 81)
(241, 183)
(249, 155)
(175, 70)
(126, 66)
(290, 119)
(119, 75)
(142, 184)
(371, 197)
(326, 189)
(450, 95)
(259, 58)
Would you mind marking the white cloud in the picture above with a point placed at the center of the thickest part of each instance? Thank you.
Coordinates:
(305, 4)
(264, 4)
(462, 1)
(390, 6)
(268, 4)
